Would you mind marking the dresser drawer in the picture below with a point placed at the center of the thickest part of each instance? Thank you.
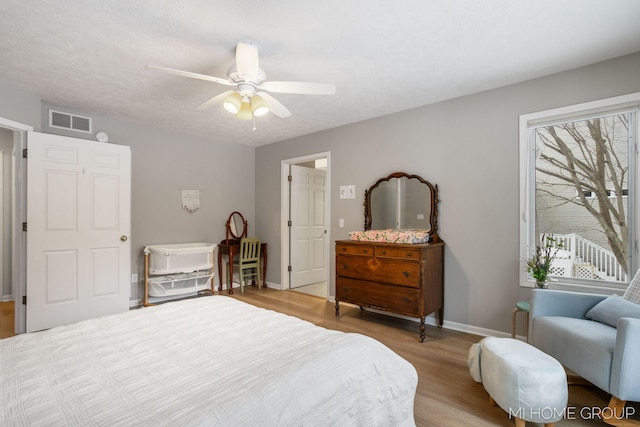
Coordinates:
(354, 249)
(398, 299)
(404, 252)
(392, 271)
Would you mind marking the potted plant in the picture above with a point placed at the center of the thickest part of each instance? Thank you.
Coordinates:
(539, 264)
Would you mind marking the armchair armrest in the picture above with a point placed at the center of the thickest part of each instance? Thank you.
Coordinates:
(546, 302)
(625, 372)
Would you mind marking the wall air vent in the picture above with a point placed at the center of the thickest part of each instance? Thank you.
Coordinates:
(60, 120)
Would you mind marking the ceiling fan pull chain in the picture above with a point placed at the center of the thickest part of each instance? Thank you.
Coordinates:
(254, 123)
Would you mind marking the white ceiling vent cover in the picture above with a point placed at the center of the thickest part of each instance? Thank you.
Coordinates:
(60, 120)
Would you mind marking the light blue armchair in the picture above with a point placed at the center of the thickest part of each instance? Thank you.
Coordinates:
(606, 356)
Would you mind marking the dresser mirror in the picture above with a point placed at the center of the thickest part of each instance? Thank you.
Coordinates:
(236, 226)
(402, 201)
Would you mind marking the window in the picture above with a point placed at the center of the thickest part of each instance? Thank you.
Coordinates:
(579, 184)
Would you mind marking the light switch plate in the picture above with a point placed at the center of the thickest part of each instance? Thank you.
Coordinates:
(351, 191)
(347, 191)
(343, 191)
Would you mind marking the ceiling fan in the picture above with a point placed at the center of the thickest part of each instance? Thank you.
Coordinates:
(249, 98)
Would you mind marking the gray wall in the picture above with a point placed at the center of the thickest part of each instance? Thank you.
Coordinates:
(163, 163)
(6, 150)
(20, 106)
(469, 147)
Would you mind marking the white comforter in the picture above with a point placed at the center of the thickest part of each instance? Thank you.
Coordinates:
(211, 361)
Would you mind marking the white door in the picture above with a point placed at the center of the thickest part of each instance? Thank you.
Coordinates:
(308, 264)
(78, 228)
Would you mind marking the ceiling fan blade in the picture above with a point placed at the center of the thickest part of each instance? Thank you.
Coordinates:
(275, 106)
(247, 62)
(304, 88)
(192, 75)
(215, 100)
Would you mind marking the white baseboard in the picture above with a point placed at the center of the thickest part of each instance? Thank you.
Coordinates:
(454, 326)
(475, 330)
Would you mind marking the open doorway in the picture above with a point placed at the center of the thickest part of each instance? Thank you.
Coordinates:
(305, 224)
(13, 138)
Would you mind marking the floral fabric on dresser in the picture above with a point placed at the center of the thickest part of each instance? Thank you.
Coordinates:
(391, 236)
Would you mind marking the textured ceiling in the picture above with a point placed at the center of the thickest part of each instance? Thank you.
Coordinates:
(383, 56)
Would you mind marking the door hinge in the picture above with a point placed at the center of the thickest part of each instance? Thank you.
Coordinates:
(290, 178)
(25, 153)
(289, 223)
(289, 269)
(24, 300)
(24, 226)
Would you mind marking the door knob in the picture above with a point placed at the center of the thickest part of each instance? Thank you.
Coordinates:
(124, 238)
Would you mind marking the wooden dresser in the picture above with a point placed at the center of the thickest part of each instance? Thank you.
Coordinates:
(405, 279)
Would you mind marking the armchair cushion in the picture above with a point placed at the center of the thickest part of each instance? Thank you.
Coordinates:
(581, 345)
(612, 309)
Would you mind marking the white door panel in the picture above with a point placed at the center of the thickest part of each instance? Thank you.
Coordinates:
(308, 264)
(78, 207)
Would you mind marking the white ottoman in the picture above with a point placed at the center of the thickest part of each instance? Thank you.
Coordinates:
(525, 382)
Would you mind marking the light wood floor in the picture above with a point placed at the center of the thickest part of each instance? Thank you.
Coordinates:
(446, 394)
(6, 319)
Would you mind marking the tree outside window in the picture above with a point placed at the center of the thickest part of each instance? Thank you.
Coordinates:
(589, 158)
(578, 187)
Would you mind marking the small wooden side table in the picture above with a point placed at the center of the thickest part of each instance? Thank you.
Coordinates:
(521, 306)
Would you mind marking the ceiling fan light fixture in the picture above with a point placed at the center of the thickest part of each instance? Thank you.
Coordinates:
(233, 103)
(259, 106)
(245, 112)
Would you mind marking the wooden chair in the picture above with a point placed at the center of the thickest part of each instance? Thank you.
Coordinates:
(248, 263)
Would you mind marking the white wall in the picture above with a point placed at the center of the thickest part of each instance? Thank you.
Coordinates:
(469, 147)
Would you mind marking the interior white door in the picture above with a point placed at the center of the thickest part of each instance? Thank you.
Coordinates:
(308, 230)
(78, 227)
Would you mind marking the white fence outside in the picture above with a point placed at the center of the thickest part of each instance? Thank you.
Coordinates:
(581, 258)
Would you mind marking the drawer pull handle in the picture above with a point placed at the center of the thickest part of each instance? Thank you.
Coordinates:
(364, 251)
(409, 254)
(345, 266)
(406, 274)
(384, 252)
(405, 300)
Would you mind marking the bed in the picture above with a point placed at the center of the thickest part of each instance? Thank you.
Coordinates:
(202, 362)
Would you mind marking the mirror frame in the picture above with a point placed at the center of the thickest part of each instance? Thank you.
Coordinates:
(433, 217)
(244, 226)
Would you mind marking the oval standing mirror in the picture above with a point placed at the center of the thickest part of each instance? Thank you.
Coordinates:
(236, 226)
(401, 201)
